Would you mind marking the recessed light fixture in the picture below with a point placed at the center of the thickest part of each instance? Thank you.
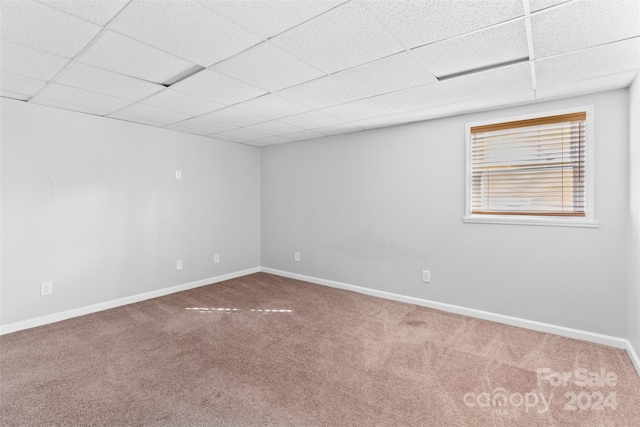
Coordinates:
(182, 75)
(481, 69)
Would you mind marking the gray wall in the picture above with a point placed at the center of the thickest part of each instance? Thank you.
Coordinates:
(375, 208)
(93, 205)
(634, 218)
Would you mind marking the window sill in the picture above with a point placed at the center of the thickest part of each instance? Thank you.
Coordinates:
(531, 220)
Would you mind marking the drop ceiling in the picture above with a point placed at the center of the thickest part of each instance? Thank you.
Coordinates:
(271, 72)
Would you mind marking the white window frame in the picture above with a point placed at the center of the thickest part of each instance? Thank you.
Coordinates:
(587, 221)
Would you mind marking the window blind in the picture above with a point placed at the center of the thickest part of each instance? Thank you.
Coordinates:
(529, 167)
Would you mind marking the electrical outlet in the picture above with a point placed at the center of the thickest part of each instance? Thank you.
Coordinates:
(178, 174)
(179, 264)
(296, 256)
(46, 288)
(216, 258)
(426, 276)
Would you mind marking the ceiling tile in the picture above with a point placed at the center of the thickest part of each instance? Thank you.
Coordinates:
(596, 61)
(63, 106)
(357, 110)
(30, 62)
(320, 93)
(124, 55)
(339, 39)
(513, 78)
(201, 126)
(152, 114)
(34, 25)
(272, 106)
(385, 75)
(12, 95)
(500, 101)
(311, 120)
(218, 88)
(184, 28)
(106, 82)
(379, 122)
(97, 11)
(492, 46)
(182, 103)
(20, 84)
(271, 140)
(242, 134)
(275, 127)
(535, 5)
(268, 18)
(305, 134)
(583, 24)
(420, 22)
(444, 110)
(414, 98)
(100, 104)
(268, 67)
(338, 129)
(204, 125)
(583, 87)
(236, 117)
(135, 120)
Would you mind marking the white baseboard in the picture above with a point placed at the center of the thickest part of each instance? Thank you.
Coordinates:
(479, 314)
(56, 317)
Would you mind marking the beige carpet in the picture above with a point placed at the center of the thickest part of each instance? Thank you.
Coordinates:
(264, 350)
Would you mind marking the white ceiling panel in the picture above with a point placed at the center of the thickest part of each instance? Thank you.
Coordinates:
(492, 46)
(275, 127)
(444, 110)
(242, 134)
(29, 62)
(152, 114)
(338, 129)
(378, 122)
(389, 74)
(184, 28)
(13, 95)
(535, 5)
(106, 82)
(583, 24)
(420, 22)
(20, 84)
(414, 98)
(272, 106)
(182, 103)
(312, 120)
(583, 87)
(97, 11)
(320, 93)
(218, 88)
(500, 101)
(124, 55)
(514, 78)
(201, 126)
(357, 110)
(236, 117)
(339, 39)
(305, 134)
(271, 140)
(594, 62)
(268, 67)
(102, 104)
(63, 106)
(269, 18)
(135, 120)
(40, 27)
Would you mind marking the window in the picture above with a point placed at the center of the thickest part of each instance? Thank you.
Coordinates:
(531, 170)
